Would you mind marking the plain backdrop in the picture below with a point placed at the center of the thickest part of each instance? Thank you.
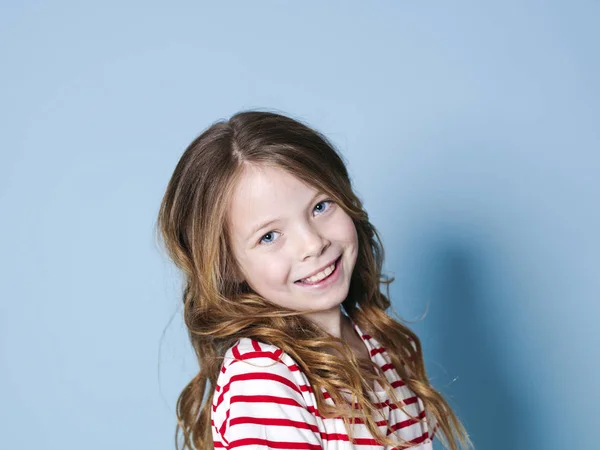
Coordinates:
(471, 133)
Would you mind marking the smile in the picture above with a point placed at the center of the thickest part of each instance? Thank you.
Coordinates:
(321, 277)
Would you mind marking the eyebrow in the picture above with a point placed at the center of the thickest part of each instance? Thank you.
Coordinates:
(259, 227)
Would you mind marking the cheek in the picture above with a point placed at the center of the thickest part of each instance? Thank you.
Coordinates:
(269, 271)
(345, 231)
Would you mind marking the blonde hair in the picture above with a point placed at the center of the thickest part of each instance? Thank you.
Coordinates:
(219, 310)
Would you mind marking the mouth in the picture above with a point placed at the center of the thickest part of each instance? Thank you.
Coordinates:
(316, 279)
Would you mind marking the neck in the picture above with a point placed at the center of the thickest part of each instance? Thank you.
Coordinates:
(333, 321)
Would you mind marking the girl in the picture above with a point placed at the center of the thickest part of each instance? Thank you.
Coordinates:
(282, 301)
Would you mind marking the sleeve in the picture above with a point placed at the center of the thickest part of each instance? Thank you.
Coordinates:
(260, 406)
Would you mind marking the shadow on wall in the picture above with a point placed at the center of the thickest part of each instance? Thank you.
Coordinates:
(474, 348)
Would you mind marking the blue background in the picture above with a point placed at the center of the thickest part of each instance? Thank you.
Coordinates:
(471, 133)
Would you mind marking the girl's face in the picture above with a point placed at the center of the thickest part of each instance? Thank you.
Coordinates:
(283, 231)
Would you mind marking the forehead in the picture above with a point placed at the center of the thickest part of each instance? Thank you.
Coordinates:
(263, 193)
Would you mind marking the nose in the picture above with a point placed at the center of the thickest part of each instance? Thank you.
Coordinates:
(311, 242)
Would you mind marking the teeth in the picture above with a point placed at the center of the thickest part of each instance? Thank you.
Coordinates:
(320, 275)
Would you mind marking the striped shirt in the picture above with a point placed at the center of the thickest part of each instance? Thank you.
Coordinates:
(264, 401)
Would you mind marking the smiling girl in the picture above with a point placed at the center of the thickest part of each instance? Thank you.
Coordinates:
(282, 301)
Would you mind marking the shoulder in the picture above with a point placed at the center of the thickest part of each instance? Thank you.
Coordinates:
(251, 356)
(251, 367)
(261, 395)
(247, 349)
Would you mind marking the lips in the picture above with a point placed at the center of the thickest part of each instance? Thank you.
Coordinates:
(336, 261)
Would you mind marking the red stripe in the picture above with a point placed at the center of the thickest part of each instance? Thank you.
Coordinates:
(273, 422)
(305, 388)
(224, 424)
(313, 410)
(302, 445)
(380, 405)
(397, 383)
(235, 351)
(255, 376)
(365, 441)
(260, 354)
(264, 399)
(256, 346)
(407, 401)
(420, 439)
(377, 350)
(359, 421)
(274, 444)
(334, 436)
(405, 423)
(256, 354)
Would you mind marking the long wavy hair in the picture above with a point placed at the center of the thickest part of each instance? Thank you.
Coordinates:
(219, 309)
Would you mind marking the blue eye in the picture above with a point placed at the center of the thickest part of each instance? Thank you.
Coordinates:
(267, 242)
(270, 233)
(323, 201)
